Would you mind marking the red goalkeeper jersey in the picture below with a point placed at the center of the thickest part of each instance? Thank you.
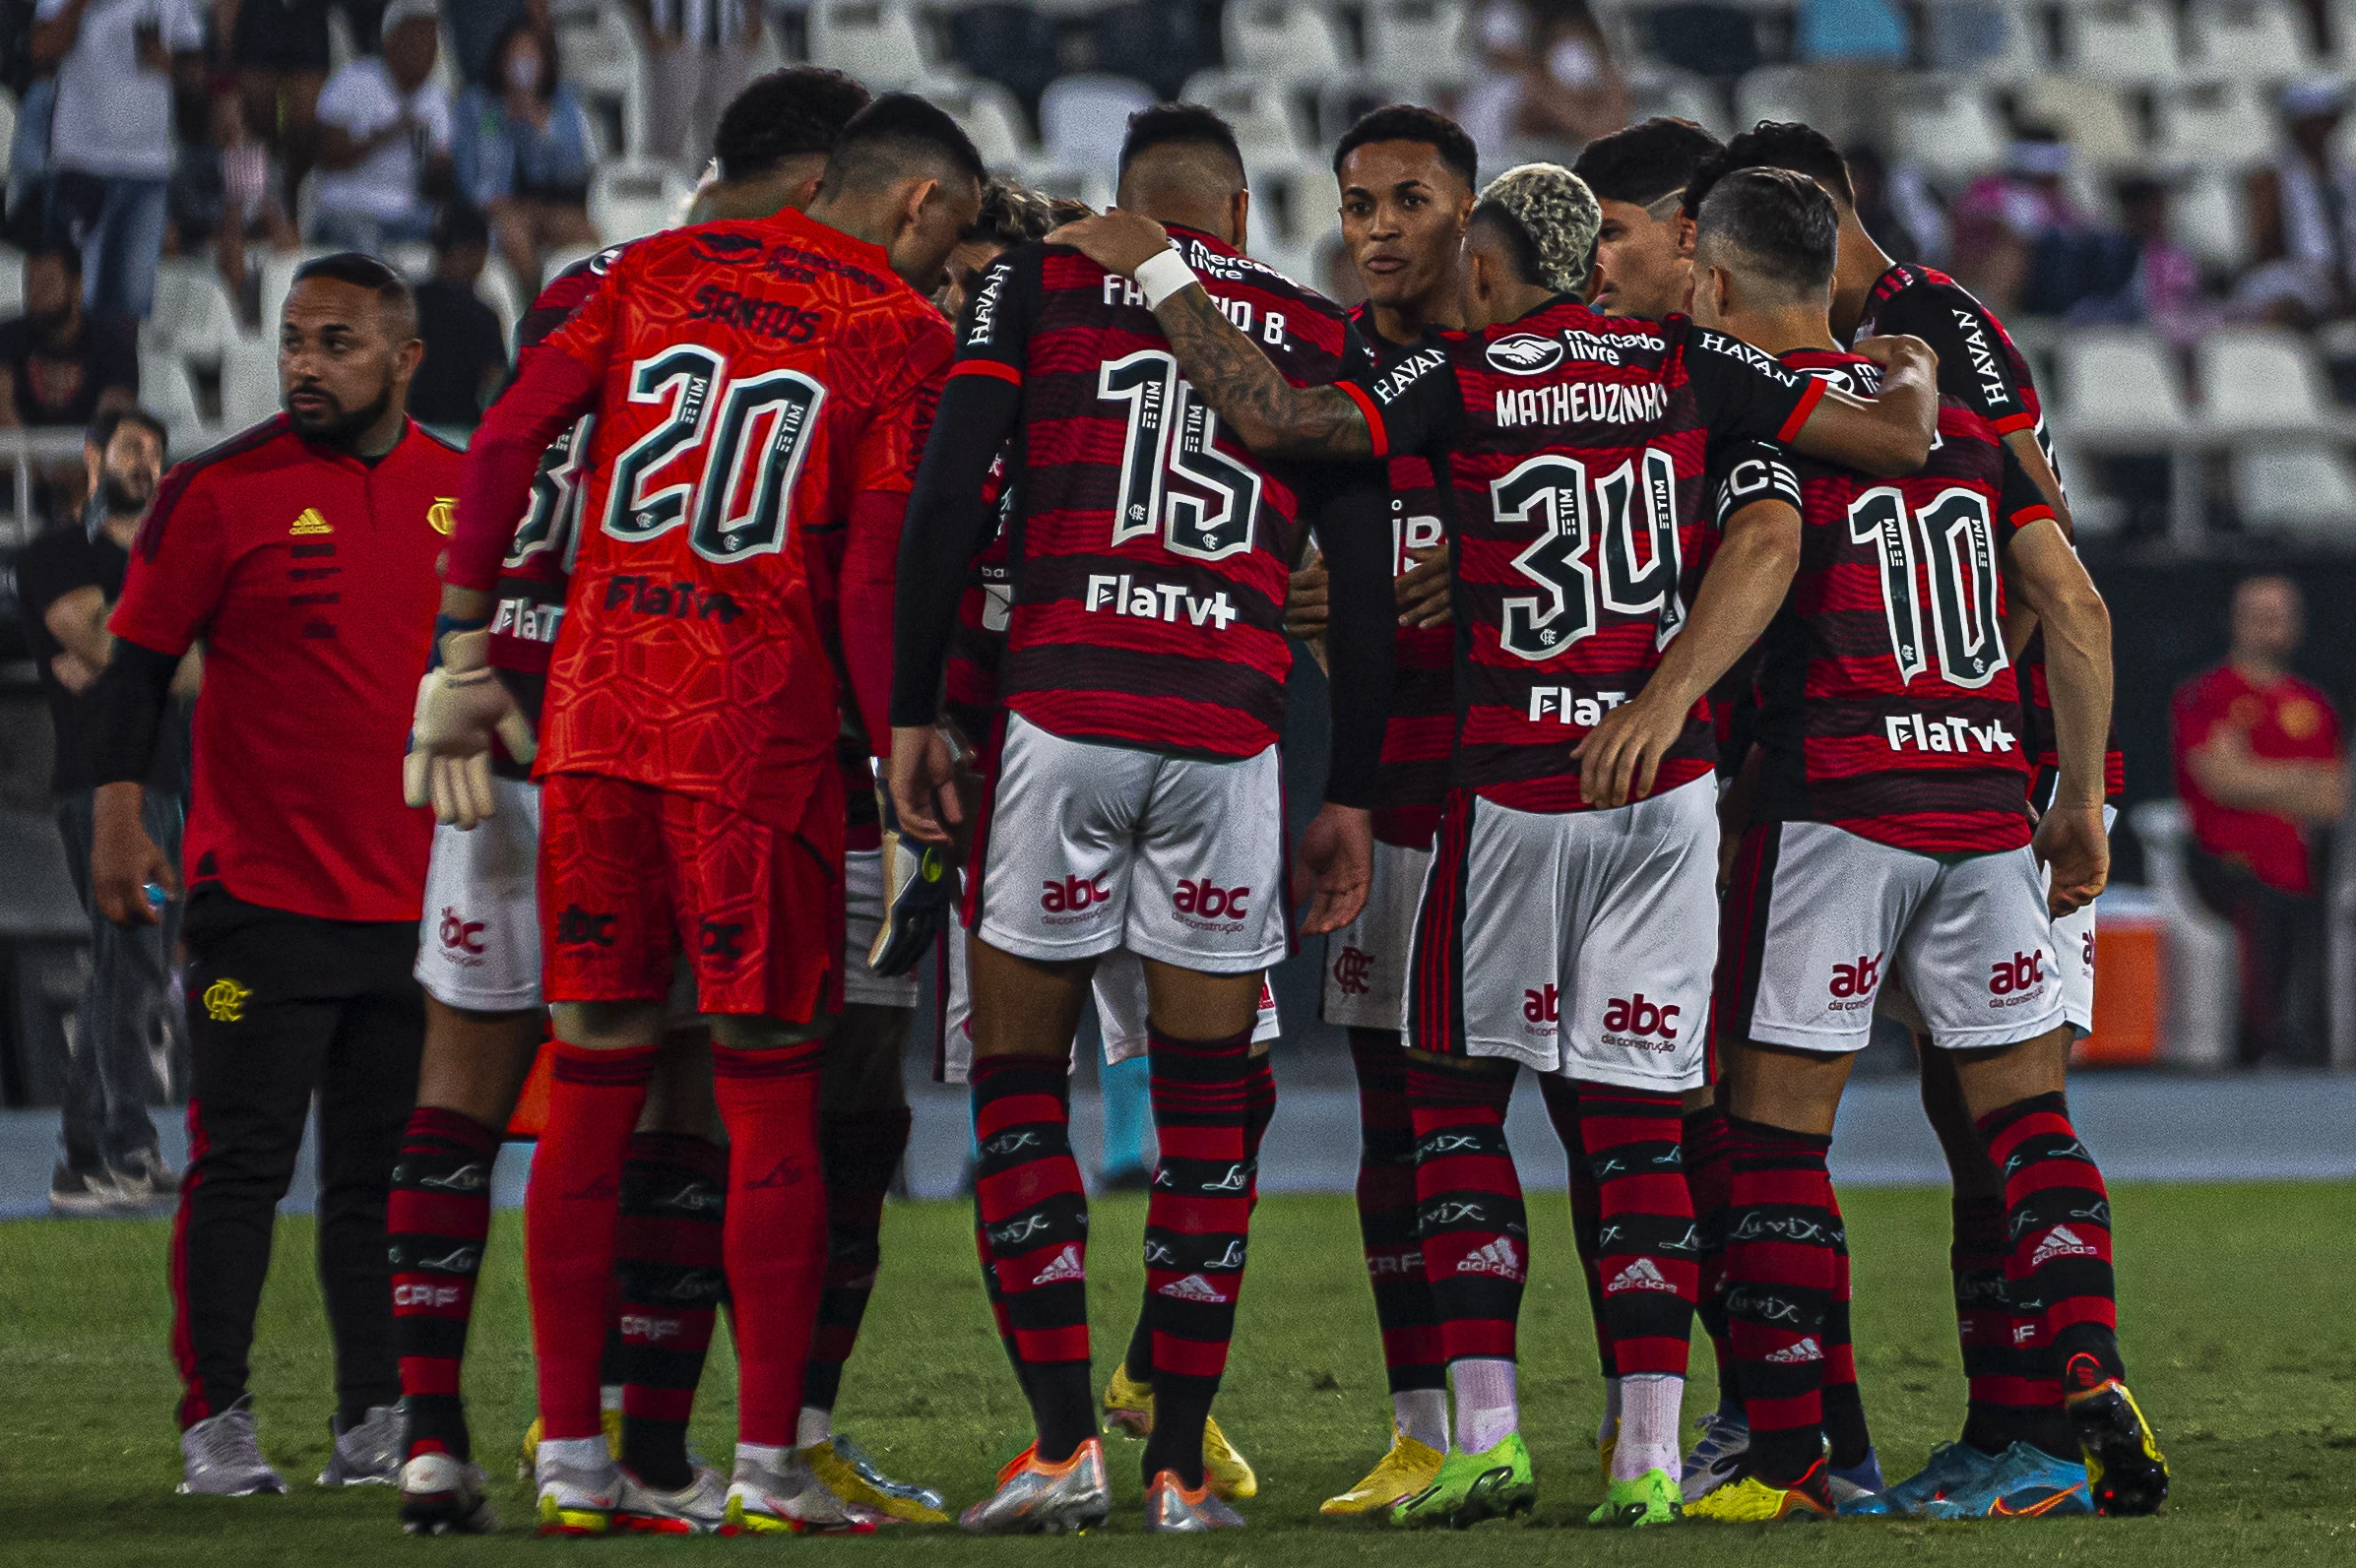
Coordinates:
(752, 383)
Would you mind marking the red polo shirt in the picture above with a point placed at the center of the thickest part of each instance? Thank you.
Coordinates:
(2288, 721)
(309, 575)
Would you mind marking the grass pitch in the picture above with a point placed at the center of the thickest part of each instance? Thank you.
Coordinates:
(2237, 1333)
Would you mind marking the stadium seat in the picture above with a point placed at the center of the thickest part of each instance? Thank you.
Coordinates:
(1083, 118)
(277, 268)
(1259, 110)
(2118, 384)
(600, 53)
(553, 262)
(1664, 89)
(1293, 205)
(8, 128)
(1782, 92)
(414, 257)
(990, 116)
(2212, 126)
(2128, 41)
(876, 40)
(2306, 488)
(2246, 42)
(249, 381)
(1947, 126)
(1283, 41)
(2210, 218)
(1415, 46)
(2260, 380)
(1010, 45)
(2090, 116)
(165, 391)
(2198, 1012)
(496, 288)
(12, 281)
(636, 197)
(193, 318)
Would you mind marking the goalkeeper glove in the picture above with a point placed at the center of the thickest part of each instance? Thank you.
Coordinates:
(917, 890)
(461, 704)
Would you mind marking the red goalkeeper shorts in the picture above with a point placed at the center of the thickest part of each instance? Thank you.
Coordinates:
(631, 876)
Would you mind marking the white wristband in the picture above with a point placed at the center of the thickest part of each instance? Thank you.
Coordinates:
(1162, 275)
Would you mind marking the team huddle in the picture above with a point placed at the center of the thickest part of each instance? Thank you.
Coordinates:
(891, 557)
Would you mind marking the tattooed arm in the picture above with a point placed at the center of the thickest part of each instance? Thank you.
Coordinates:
(1267, 412)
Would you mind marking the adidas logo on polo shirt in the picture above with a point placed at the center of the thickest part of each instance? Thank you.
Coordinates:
(309, 522)
(1064, 1265)
(1193, 1288)
(1640, 1275)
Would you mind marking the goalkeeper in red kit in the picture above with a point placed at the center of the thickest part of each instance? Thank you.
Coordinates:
(762, 390)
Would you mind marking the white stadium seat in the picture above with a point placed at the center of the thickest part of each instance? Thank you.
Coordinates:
(2247, 41)
(249, 381)
(1947, 126)
(2260, 380)
(165, 391)
(1780, 93)
(636, 197)
(12, 281)
(1418, 44)
(552, 262)
(1657, 89)
(990, 115)
(2089, 115)
(2129, 42)
(600, 53)
(2210, 218)
(2212, 126)
(496, 288)
(193, 319)
(876, 40)
(2118, 383)
(1283, 41)
(2306, 488)
(1082, 119)
(1259, 112)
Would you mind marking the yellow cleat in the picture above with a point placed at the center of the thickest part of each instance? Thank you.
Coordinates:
(527, 1462)
(1399, 1475)
(1751, 1501)
(849, 1474)
(1605, 1448)
(1128, 1406)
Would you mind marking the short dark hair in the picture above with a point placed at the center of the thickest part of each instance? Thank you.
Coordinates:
(64, 255)
(1776, 144)
(1514, 236)
(102, 428)
(1011, 215)
(1411, 122)
(1644, 162)
(795, 112)
(1178, 125)
(364, 271)
(1782, 221)
(881, 141)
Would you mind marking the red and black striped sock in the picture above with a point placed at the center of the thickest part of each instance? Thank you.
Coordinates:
(435, 1223)
(1033, 1215)
(669, 1259)
(1707, 1175)
(774, 1237)
(860, 1149)
(572, 1209)
(2000, 1360)
(1197, 1230)
(1561, 1098)
(2058, 1214)
(1645, 1247)
(1781, 1273)
(1469, 1214)
(1387, 1216)
(1845, 1431)
(1260, 1109)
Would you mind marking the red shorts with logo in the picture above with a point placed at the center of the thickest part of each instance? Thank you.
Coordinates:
(631, 876)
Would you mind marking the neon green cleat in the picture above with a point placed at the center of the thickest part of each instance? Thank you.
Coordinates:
(1471, 1487)
(1652, 1498)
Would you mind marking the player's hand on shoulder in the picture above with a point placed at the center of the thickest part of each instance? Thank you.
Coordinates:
(2076, 852)
(1422, 591)
(1117, 241)
(1618, 758)
(1336, 861)
(1896, 349)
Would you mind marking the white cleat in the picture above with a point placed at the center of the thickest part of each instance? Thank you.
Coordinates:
(445, 1496)
(579, 1487)
(1035, 1498)
(698, 1508)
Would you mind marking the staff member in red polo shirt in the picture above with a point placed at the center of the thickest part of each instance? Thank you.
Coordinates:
(302, 553)
(2258, 767)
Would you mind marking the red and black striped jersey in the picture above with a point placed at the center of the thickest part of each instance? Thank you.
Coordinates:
(970, 696)
(1573, 448)
(1150, 549)
(1420, 740)
(1886, 704)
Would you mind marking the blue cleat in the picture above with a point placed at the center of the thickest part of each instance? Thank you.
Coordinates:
(1953, 1467)
(1861, 1484)
(2026, 1483)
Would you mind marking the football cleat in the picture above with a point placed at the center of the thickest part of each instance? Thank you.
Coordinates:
(1497, 1483)
(1953, 1467)
(575, 1498)
(1171, 1509)
(1128, 1406)
(220, 1456)
(1037, 1499)
(368, 1454)
(853, 1476)
(2026, 1483)
(1652, 1498)
(1856, 1488)
(445, 1496)
(786, 1498)
(1716, 1458)
(608, 1423)
(2126, 1471)
(1397, 1475)
(1747, 1500)
(698, 1508)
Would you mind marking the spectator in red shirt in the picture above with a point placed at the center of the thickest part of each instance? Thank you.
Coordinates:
(2259, 768)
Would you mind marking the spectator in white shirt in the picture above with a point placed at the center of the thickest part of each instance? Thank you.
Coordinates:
(110, 141)
(384, 135)
(704, 53)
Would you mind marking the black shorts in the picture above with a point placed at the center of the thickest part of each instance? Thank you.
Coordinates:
(281, 36)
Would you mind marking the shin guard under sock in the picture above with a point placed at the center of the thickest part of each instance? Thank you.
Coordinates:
(673, 1268)
(775, 1234)
(1033, 1216)
(1780, 1274)
(571, 1211)
(860, 1149)
(2058, 1214)
(1470, 1219)
(1412, 1356)
(1197, 1231)
(436, 1220)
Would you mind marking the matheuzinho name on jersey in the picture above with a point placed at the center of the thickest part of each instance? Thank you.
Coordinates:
(1945, 734)
(1578, 402)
